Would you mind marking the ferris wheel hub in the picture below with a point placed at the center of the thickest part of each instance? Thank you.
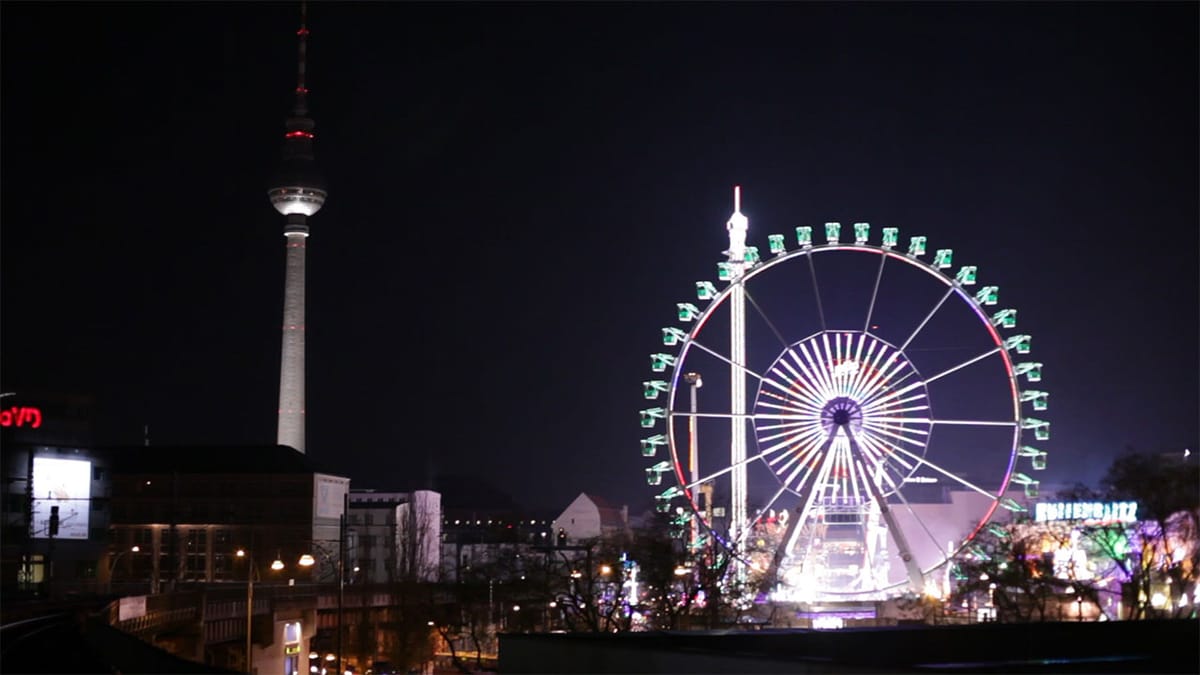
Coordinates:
(842, 411)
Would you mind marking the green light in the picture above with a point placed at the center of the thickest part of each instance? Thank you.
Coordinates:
(862, 232)
(663, 501)
(705, 290)
(916, 246)
(1012, 505)
(687, 311)
(651, 415)
(987, 295)
(1030, 485)
(832, 231)
(652, 387)
(1031, 371)
(724, 271)
(775, 242)
(1019, 342)
(751, 255)
(654, 473)
(891, 235)
(1006, 318)
(1037, 458)
(941, 258)
(966, 275)
(650, 445)
(804, 236)
(672, 336)
(1037, 397)
(997, 531)
(660, 362)
(1041, 428)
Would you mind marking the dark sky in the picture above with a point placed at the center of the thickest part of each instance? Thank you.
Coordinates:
(519, 193)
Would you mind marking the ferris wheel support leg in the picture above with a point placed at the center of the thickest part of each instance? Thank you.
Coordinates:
(915, 578)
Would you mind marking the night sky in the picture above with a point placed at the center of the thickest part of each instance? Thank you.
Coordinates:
(520, 193)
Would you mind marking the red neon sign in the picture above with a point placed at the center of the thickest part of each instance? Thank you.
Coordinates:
(21, 416)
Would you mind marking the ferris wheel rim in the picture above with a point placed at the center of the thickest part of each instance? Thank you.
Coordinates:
(718, 300)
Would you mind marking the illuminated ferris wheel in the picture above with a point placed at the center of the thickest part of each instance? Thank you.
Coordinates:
(874, 422)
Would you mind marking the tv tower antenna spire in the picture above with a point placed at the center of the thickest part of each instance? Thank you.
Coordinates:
(301, 107)
(299, 192)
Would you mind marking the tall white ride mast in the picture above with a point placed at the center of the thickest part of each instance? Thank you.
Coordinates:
(737, 226)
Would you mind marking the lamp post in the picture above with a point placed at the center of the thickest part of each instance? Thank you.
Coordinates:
(250, 572)
(112, 565)
(307, 560)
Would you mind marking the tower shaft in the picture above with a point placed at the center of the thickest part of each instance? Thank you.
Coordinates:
(291, 366)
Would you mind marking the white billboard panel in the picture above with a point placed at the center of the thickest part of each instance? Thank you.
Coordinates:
(67, 484)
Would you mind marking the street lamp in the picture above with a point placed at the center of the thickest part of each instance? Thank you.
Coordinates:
(250, 572)
(112, 565)
(307, 560)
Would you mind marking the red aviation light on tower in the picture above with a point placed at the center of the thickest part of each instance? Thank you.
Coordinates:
(298, 134)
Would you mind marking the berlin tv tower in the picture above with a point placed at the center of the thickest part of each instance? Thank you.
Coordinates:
(299, 193)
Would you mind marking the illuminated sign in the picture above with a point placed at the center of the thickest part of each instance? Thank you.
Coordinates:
(21, 416)
(67, 484)
(1105, 512)
(921, 479)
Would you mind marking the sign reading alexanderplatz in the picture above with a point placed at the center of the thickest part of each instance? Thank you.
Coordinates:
(1095, 512)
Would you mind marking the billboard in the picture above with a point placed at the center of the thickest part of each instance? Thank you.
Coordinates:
(67, 484)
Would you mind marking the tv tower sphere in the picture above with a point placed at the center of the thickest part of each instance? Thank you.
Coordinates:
(299, 186)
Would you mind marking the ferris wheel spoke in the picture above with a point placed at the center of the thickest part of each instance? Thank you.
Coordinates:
(892, 431)
(717, 474)
(874, 293)
(819, 468)
(900, 494)
(804, 385)
(931, 421)
(815, 372)
(795, 407)
(791, 434)
(802, 444)
(816, 488)
(864, 374)
(948, 474)
(816, 290)
(888, 405)
(949, 292)
(892, 393)
(798, 388)
(789, 412)
(722, 357)
(882, 381)
(770, 503)
(770, 324)
(808, 456)
(881, 453)
(964, 364)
